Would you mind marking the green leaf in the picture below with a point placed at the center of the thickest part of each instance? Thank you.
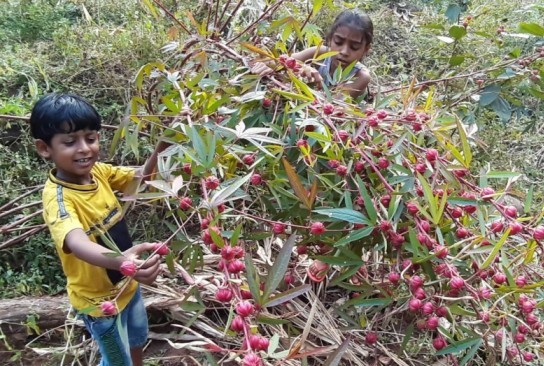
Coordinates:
(431, 200)
(367, 303)
(369, 205)
(277, 272)
(343, 214)
(287, 295)
(252, 279)
(489, 94)
(339, 261)
(528, 200)
(317, 6)
(470, 354)
(457, 32)
(496, 249)
(456, 60)
(531, 28)
(453, 12)
(354, 235)
(501, 174)
(223, 194)
(464, 143)
(458, 346)
(502, 108)
(335, 357)
(407, 335)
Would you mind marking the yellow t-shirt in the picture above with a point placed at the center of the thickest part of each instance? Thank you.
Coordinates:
(94, 208)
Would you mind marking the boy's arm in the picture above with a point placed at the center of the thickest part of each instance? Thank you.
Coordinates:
(78, 243)
(147, 169)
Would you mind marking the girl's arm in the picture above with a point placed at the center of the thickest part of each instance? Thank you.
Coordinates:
(309, 53)
(359, 85)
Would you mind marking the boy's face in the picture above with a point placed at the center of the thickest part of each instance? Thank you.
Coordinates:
(74, 154)
(350, 45)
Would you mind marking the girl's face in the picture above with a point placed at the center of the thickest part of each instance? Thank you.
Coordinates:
(350, 45)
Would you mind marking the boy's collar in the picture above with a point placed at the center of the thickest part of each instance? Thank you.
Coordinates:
(78, 187)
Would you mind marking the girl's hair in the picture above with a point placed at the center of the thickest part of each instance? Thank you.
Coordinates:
(62, 113)
(358, 21)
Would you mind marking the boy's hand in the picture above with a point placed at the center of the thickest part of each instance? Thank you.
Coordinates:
(148, 269)
(261, 69)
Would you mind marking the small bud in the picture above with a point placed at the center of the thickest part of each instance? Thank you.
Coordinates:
(128, 268)
(244, 308)
(108, 308)
(224, 294)
(317, 228)
(211, 182)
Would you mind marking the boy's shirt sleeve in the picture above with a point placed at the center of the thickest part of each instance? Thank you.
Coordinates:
(118, 177)
(61, 218)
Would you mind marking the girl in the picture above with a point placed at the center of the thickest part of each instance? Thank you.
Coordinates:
(351, 36)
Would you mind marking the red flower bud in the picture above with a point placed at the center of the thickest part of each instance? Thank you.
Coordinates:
(439, 343)
(394, 278)
(431, 155)
(224, 294)
(248, 159)
(538, 234)
(441, 252)
(511, 211)
(441, 311)
(317, 228)
(385, 226)
(256, 179)
(457, 283)
(521, 281)
(237, 324)
(415, 305)
(328, 109)
(487, 193)
(251, 359)
(128, 268)
(161, 249)
(515, 228)
(496, 226)
(187, 168)
(371, 338)
(382, 114)
(462, 233)
(428, 308)
(108, 308)
(185, 203)
(433, 322)
(236, 266)
(211, 182)
(267, 102)
(244, 308)
(383, 163)
(342, 170)
(412, 208)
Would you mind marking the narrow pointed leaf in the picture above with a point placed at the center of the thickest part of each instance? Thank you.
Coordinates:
(277, 272)
(458, 346)
(335, 357)
(287, 295)
(253, 279)
(222, 195)
(299, 189)
(496, 249)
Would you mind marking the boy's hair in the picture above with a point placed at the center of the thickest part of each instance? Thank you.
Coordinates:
(352, 19)
(62, 113)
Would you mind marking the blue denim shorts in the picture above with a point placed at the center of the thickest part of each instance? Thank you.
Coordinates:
(116, 335)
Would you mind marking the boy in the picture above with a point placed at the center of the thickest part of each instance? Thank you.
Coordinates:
(83, 214)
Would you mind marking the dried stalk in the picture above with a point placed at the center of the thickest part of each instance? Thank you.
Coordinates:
(17, 199)
(266, 13)
(22, 237)
(19, 208)
(231, 15)
(20, 221)
(160, 5)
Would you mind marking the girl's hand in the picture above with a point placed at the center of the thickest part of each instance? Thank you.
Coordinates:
(261, 69)
(312, 75)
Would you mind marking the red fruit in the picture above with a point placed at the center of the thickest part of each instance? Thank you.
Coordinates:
(244, 308)
(108, 308)
(515, 228)
(470, 209)
(499, 278)
(456, 212)
(204, 224)
(237, 324)
(484, 316)
(246, 295)
(522, 328)
(317, 271)
(487, 193)
(342, 170)
(383, 163)
(373, 122)
(359, 166)
(433, 322)
(214, 248)
(385, 226)
(428, 308)
(382, 114)
(511, 211)
(227, 253)
(317, 228)
(236, 266)
(441, 251)
(415, 305)
(248, 159)
(396, 239)
(519, 338)
(224, 294)
(419, 293)
(342, 135)
(497, 226)
(371, 338)
(369, 111)
(289, 279)
(267, 102)
(420, 168)
(416, 282)
(457, 283)
(531, 318)
(528, 356)
(128, 268)
(302, 249)
(412, 208)
(521, 281)
(333, 164)
(431, 155)
(256, 179)
(528, 306)
(460, 173)
(328, 109)
(425, 226)
(439, 343)
(462, 233)
(278, 228)
(251, 359)
(187, 168)
(291, 63)
(161, 249)
(484, 293)
(385, 200)
(302, 143)
(538, 234)
(185, 203)
(211, 182)
(441, 311)
(394, 278)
